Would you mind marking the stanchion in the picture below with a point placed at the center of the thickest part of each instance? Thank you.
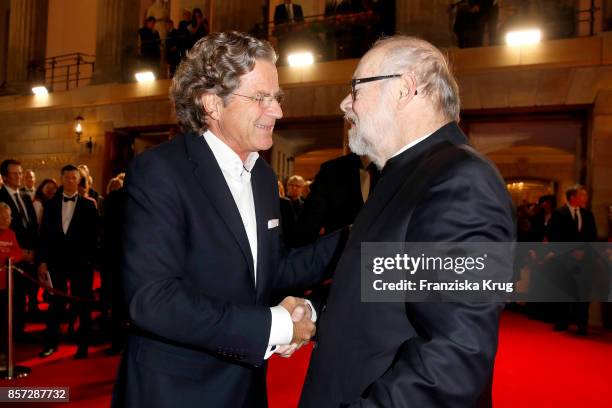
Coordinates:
(12, 371)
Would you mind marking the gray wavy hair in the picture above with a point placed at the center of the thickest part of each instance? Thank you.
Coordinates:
(213, 65)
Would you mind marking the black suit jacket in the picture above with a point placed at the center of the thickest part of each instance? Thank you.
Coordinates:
(73, 251)
(27, 236)
(202, 323)
(334, 200)
(281, 16)
(561, 227)
(413, 354)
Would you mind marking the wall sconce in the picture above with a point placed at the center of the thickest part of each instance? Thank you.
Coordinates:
(78, 130)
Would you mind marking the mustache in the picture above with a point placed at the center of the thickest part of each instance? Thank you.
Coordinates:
(350, 118)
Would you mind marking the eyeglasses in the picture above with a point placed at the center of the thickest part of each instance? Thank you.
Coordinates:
(264, 100)
(356, 81)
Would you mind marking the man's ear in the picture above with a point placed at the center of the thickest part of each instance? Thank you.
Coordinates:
(211, 104)
(408, 89)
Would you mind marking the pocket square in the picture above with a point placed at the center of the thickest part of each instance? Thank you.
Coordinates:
(273, 223)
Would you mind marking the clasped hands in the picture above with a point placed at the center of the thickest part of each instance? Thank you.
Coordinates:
(303, 326)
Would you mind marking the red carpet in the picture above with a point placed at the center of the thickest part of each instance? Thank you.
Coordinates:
(535, 368)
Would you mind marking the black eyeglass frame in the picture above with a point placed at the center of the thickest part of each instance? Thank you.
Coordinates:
(357, 81)
(261, 98)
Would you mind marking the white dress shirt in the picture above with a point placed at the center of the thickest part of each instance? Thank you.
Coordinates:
(289, 8)
(238, 178)
(413, 143)
(68, 211)
(575, 212)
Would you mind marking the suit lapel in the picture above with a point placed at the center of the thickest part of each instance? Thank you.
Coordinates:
(55, 209)
(399, 171)
(258, 183)
(209, 176)
(75, 215)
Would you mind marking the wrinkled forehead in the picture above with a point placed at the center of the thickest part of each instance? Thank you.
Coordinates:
(262, 78)
(369, 65)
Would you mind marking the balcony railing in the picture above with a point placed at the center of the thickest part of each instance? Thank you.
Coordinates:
(555, 18)
(327, 36)
(68, 71)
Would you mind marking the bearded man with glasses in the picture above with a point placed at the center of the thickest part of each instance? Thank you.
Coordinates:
(434, 187)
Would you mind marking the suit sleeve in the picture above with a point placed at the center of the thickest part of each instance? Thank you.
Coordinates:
(307, 266)
(160, 301)
(93, 231)
(277, 15)
(450, 362)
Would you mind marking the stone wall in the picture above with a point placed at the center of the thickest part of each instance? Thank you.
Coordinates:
(599, 168)
(44, 140)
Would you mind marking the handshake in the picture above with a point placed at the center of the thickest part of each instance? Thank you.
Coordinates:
(303, 326)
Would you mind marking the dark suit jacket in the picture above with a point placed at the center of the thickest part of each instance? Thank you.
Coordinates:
(334, 201)
(202, 323)
(561, 227)
(281, 16)
(74, 251)
(413, 354)
(26, 235)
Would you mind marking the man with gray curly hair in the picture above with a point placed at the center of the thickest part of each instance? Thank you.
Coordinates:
(203, 252)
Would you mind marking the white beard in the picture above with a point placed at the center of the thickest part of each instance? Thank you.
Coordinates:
(369, 138)
(358, 143)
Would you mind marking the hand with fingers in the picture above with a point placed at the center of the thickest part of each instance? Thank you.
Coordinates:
(303, 326)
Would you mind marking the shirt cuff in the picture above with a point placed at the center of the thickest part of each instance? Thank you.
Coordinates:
(269, 351)
(312, 309)
(281, 331)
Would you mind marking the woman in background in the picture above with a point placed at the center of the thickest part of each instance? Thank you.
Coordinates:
(46, 190)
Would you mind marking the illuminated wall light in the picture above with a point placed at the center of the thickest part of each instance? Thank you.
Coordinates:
(40, 90)
(523, 37)
(300, 59)
(145, 76)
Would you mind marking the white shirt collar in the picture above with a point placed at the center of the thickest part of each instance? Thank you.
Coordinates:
(11, 191)
(572, 209)
(411, 144)
(228, 160)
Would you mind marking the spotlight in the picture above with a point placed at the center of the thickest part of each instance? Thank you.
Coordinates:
(40, 90)
(300, 59)
(145, 76)
(523, 37)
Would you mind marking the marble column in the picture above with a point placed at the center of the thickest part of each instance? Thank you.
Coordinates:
(599, 162)
(235, 15)
(116, 40)
(26, 43)
(428, 19)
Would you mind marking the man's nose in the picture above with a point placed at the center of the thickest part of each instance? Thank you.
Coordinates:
(346, 104)
(274, 110)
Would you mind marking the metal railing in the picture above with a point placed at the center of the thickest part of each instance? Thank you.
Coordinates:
(330, 36)
(556, 18)
(68, 71)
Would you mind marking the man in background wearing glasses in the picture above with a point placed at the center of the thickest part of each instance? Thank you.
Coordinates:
(203, 252)
(403, 111)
